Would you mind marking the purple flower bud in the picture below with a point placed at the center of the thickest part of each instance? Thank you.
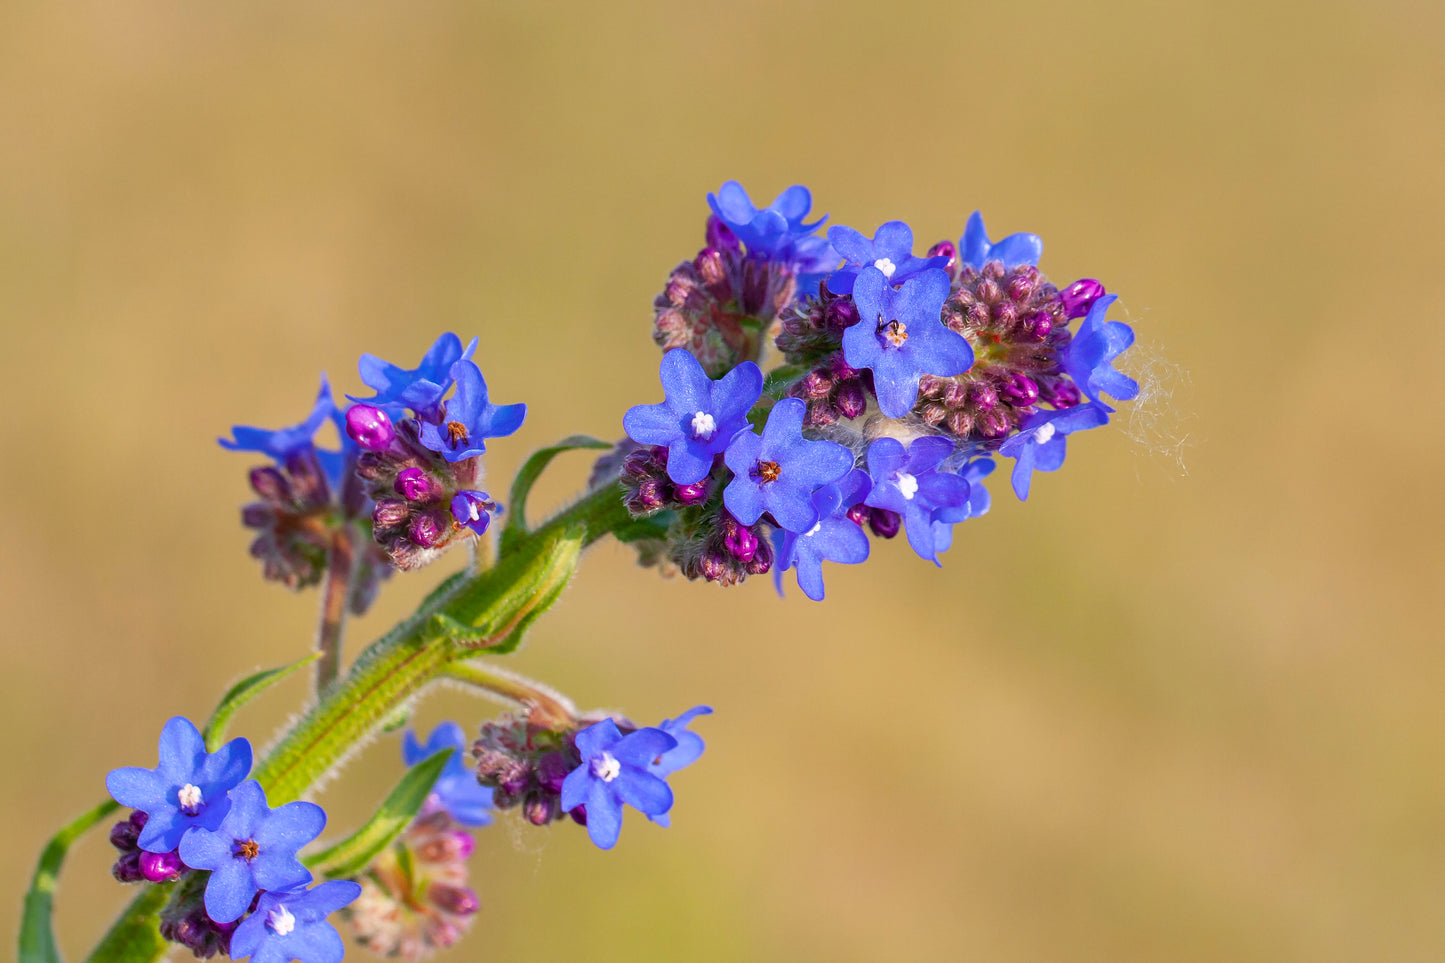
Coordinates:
(851, 400)
(1021, 390)
(816, 385)
(308, 478)
(541, 808)
(389, 513)
(552, 770)
(159, 867)
(1080, 296)
(127, 868)
(270, 484)
(740, 541)
(370, 427)
(427, 529)
(417, 484)
(983, 396)
(691, 494)
(945, 249)
(124, 835)
(885, 524)
(720, 236)
(840, 315)
(454, 899)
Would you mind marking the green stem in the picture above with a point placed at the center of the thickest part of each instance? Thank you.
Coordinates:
(37, 941)
(549, 707)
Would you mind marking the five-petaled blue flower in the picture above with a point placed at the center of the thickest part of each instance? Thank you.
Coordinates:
(615, 770)
(473, 509)
(779, 471)
(777, 232)
(470, 418)
(890, 251)
(456, 789)
(282, 443)
(974, 249)
(699, 416)
(423, 387)
(907, 481)
(689, 748)
(188, 790)
(1090, 355)
(901, 336)
(253, 849)
(1040, 444)
(978, 503)
(835, 537)
(293, 926)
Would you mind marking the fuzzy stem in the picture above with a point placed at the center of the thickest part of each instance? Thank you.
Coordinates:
(553, 708)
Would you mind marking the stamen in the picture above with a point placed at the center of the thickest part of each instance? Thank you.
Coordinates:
(281, 921)
(248, 850)
(703, 426)
(1044, 433)
(768, 471)
(472, 510)
(606, 767)
(895, 333)
(814, 530)
(456, 433)
(908, 485)
(886, 266)
(190, 799)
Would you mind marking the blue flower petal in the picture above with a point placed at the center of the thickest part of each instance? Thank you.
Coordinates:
(604, 815)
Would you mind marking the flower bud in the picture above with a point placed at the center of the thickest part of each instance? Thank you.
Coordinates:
(1080, 296)
(540, 808)
(160, 867)
(427, 529)
(370, 427)
(417, 485)
(851, 400)
(271, 485)
(389, 513)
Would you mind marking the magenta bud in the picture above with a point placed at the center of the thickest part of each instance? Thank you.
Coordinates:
(851, 400)
(389, 513)
(840, 315)
(885, 524)
(541, 808)
(740, 541)
(552, 770)
(691, 494)
(983, 396)
(816, 385)
(1080, 296)
(417, 484)
(427, 529)
(1040, 327)
(994, 424)
(944, 249)
(465, 843)
(454, 899)
(370, 427)
(159, 867)
(762, 561)
(1021, 390)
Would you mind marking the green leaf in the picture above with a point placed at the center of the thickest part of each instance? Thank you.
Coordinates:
(136, 937)
(652, 526)
(37, 938)
(780, 379)
(527, 477)
(351, 856)
(243, 692)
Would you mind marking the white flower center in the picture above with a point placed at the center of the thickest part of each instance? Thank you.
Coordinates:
(814, 529)
(606, 767)
(908, 485)
(472, 510)
(281, 921)
(703, 426)
(886, 266)
(190, 798)
(1043, 433)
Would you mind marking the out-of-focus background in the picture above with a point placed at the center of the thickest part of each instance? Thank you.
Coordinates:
(1183, 705)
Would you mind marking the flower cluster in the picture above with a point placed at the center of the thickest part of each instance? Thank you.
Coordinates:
(904, 377)
(197, 816)
(585, 767)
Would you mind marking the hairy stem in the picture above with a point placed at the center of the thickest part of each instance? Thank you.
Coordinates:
(340, 564)
(554, 708)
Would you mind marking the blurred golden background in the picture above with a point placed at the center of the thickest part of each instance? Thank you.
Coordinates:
(1183, 705)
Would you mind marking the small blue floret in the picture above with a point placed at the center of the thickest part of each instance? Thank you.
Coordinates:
(901, 336)
(908, 481)
(1041, 442)
(282, 443)
(779, 471)
(616, 769)
(1089, 358)
(974, 249)
(293, 926)
(421, 388)
(699, 416)
(835, 537)
(470, 418)
(890, 250)
(456, 789)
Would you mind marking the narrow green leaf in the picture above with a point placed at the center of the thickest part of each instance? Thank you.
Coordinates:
(37, 937)
(352, 855)
(243, 692)
(136, 936)
(527, 477)
(779, 380)
(495, 613)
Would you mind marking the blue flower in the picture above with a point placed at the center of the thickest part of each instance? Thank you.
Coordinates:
(293, 926)
(778, 472)
(901, 336)
(253, 849)
(835, 537)
(689, 748)
(282, 443)
(423, 387)
(775, 233)
(978, 503)
(473, 509)
(615, 770)
(890, 251)
(699, 416)
(1041, 441)
(974, 249)
(456, 789)
(1090, 355)
(188, 790)
(470, 418)
(907, 481)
